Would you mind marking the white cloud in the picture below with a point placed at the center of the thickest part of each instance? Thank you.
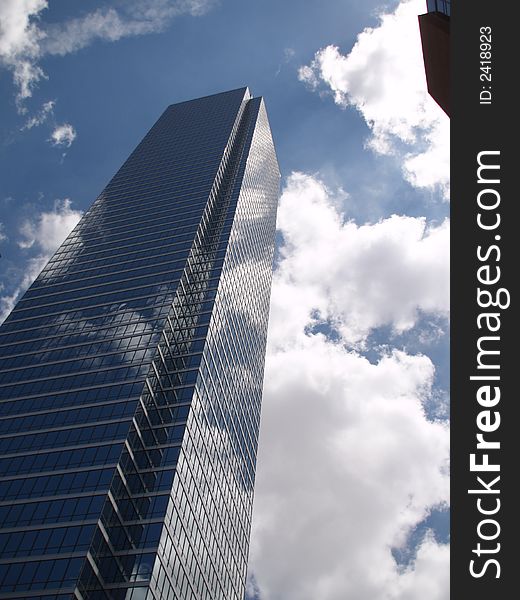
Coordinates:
(20, 40)
(104, 24)
(383, 78)
(24, 40)
(18, 32)
(288, 55)
(32, 269)
(45, 112)
(51, 228)
(349, 464)
(356, 277)
(428, 577)
(44, 233)
(63, 135)
(136, 18)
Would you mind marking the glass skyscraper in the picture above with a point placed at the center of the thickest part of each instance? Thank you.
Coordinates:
(131, 373)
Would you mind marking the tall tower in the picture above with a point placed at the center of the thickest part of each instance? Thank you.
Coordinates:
(131, 373)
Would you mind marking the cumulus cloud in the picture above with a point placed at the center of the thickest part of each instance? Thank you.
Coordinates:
(43, 234)
(354, 277)
(24, 40)
(383, 78)
(63, 135)
(428, 577)
(49, 229)
(349, 463)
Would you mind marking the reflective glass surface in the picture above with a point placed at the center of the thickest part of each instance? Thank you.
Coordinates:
(131, 372)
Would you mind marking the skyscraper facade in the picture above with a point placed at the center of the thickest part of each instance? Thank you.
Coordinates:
(132, 368)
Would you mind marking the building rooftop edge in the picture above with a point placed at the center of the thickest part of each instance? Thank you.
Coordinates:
(244, 89)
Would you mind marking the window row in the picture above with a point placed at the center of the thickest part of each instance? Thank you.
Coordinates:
(77, 367)
(57, 331)
(65, 437)
(46, 541)
(45, 574)
(60, 460)
(73, 382)
(158, 302)
(73, 398)
(145, 287)
(101, 284)
(57, 485)
(43, 512)
(52, 350)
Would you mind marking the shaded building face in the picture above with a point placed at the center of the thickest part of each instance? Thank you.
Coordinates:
(434, 27)
(132, 368)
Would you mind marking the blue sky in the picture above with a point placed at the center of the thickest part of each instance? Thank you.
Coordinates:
(358, 342)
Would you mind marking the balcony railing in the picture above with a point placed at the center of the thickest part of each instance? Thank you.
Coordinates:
(442, 6)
